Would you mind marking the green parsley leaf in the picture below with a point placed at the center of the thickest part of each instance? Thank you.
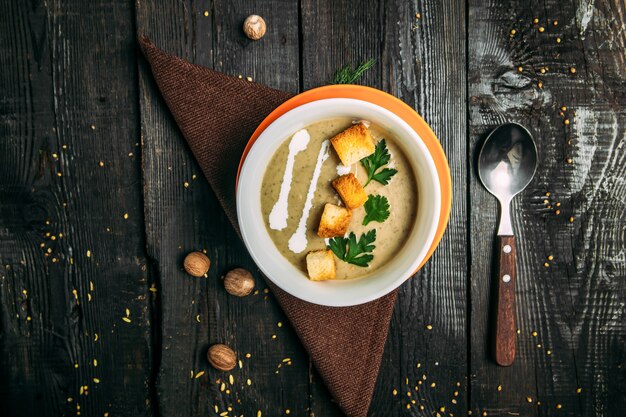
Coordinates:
(376, 209)
(352, 251)
(377, 160)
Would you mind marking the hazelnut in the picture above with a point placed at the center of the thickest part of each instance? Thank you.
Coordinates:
(197, 264)
(221, 357)
(239, 282)
(254, 27)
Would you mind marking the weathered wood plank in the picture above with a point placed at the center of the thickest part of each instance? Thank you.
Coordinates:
(180, 219)
(413, 55)
(72, 263)
(570, 312)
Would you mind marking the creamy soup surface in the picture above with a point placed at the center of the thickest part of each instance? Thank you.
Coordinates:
(401, 193)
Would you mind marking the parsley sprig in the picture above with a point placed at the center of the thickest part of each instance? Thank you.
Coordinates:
(376, 209)
(375, 162)
(352, 251)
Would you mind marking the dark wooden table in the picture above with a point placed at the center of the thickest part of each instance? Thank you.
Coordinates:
(100, 200)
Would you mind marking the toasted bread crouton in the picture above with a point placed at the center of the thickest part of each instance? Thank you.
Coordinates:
(320, 265)
(353, 144)
(334, 222)
(350, 190)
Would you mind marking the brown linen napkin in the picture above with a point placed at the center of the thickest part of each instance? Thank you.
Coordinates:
(217, 114)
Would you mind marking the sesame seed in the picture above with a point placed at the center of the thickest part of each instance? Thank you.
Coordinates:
(546, 264)
(442, 409)
(101, 163)
(186, 184)
(250, 79)
(95, 362)
(572, 70)
(520, 69)
(206, 13)
(127, 312)
(535, 20)
(579, 390)
(96, 380)
(499, 388)
(557, 212)
(88, 253)
(571, 219)
(126, 319)
(542, 29)
(280, 324)
(529, 399)
(570, 161)
(125, 216)
(548, 352)
(558, 40)
(534, 334)
(249, 382)
(563, 108)
(513, 32)
(555, 23)
(199, 374)
(559, 406)
(287, 411)
(394, 392)
(429, 326)
(540, 84)
(566, 121)
(231, 379)
(418, 15)
(248, 355)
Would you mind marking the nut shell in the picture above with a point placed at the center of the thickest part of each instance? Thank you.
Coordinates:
(239, 282)
(254, 27)
(221, 357)
(197, 264)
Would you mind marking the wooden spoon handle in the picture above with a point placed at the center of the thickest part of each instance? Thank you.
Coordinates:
(505, 314)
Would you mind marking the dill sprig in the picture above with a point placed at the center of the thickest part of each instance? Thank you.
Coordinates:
(348, 75)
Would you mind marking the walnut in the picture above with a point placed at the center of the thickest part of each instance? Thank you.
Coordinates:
(254, 27)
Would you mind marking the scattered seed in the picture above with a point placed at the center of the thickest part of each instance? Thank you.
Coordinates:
(250, 79)
(418, 15)
(540, 84)
(571, 219)
(249, 382)
(186, 184)
(248, 355)
(559, 406)
(231, 379)
(579, 390)
(541, 29)
(546, 264)
(557, 212)
(88, 253)
(125, 216)
(550, 257)
(499, 388)
(513, 32)
(199, 374)
(534, 334)
(529, 399)
(535, 20)
(95, 362)
(520, 69)
(280, 324)
(572, 70)
(429, 327)
(555, 23)
(95, 337)
(96, 380)
(126, 319)
(570, 161)
(101, 163)
(206, 13)
(394, 392)
(548, 352)
(566, 121)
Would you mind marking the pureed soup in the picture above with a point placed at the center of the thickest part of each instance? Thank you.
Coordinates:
(299, 200)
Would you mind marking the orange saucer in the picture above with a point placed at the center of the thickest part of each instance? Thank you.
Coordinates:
(392, 104)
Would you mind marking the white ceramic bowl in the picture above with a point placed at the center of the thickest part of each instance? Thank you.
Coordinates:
(271, 261)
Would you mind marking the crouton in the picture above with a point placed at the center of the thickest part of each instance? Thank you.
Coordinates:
(334, 222)
(353, 144)
(320, 265)
(350, 190)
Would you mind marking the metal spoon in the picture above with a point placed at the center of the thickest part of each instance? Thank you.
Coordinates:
(506, 164)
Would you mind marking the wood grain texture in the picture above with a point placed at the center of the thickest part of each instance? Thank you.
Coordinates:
(197, 312)
(71, 230)
(504, 336)
(570, 315)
